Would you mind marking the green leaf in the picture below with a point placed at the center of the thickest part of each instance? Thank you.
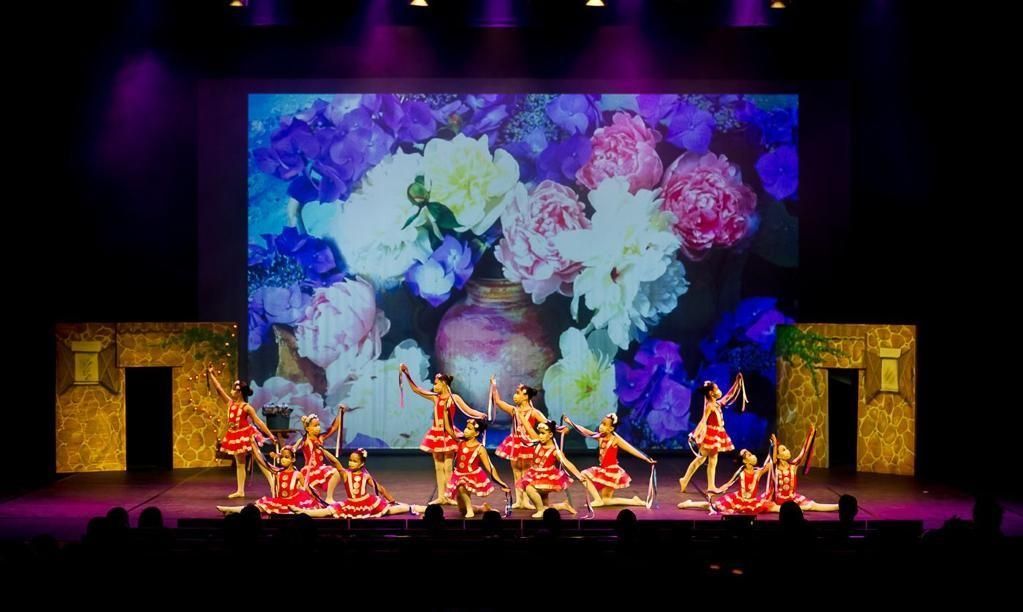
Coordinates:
(412, 218)
(442, 215)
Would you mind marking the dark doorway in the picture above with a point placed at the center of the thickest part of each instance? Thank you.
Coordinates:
(148, 427)
(843, 390)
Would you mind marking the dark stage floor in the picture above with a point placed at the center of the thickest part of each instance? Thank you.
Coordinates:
(64, 507)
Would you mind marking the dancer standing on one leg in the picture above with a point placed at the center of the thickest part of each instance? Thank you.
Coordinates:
(241, 417)
(517, 448)
(437, 441)
(710, 433)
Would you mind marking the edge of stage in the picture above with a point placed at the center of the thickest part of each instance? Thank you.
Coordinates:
(63, 508)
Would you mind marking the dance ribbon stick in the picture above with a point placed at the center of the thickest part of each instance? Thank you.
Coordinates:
(341, 427)
(274, 469)
(312, 491)
(507, 494)
(594, 436)
(589, 509)
(563, 430)
(742, 391)
(810, 439)
(738, 389)
(693, 446)
(490, 400)
(772, 453)
(706, 496)
(401, 391)
(651, 487)
(490, 409)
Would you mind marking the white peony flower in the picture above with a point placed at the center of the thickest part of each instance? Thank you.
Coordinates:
(368, 228)
(373, 397)
(475, 185)
(582, 383)
(626, 253)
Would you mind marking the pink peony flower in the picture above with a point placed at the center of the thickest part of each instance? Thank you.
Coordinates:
(342, 326)
(626, 149)
(527, 250)
(712, 206)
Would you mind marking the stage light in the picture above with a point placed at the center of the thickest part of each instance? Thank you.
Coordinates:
(594, 2)
(418, 3)
(239, 3)
(777, 4)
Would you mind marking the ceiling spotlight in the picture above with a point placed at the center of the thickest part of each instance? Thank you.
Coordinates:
(238, 3)
(594, 2)
(418, 3)
(777, 4)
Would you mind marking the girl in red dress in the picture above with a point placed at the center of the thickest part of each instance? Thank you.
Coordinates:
(745, 500)
(710, 433)
(784, 477)
(469, 477)
(288, 490)
(544, 477)
(240, 430)
(359, 503)
(609, 476)
(316, 471)
(517, 448)
(440, 439)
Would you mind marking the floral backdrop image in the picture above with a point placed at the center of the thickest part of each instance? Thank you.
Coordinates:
(613, 251)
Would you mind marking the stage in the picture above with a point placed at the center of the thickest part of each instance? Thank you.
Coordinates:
(64, 507)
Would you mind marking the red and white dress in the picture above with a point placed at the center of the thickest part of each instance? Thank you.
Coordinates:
(288, 494)
(239, 430)
(436, 439)
(517, 445)
(316, 471)
(785, 485)
(469, 473)
(745, 500)
(715, 438)
(608, 473)
(360, 503)
(542, 474)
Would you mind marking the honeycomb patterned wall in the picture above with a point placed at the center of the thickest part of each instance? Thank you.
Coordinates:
(886, 432)
(91, 417)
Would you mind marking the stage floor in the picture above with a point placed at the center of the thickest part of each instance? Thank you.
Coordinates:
(63, 508)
